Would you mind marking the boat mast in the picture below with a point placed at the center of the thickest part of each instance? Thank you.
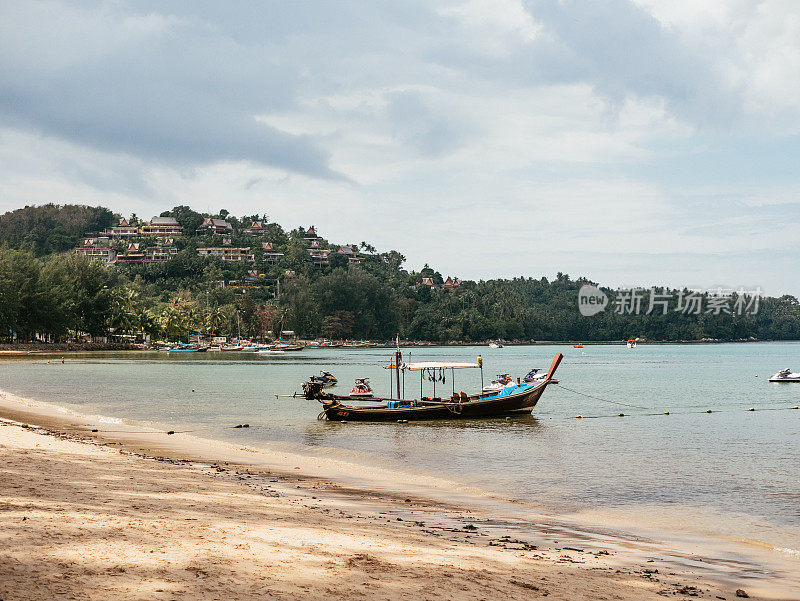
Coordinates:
(397, 358)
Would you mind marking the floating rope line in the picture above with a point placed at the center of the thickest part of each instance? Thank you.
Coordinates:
(668, 413)
(597, 398)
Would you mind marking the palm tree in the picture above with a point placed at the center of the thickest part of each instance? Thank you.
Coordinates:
(215, 317)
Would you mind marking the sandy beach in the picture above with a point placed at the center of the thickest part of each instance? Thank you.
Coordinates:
(139, 514)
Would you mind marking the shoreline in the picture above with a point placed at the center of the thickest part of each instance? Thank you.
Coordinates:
(442, 508)
(73, 349)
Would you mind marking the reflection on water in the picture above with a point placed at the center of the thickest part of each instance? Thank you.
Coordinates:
(731, 462)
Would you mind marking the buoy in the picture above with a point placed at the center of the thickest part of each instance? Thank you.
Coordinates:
(622, 415)
(708, 410)
(666, 413)
(795, 407)
(95, 430)
(245, 425)
(752, 409)
(171, 432)
(508, 419)
(578, 417)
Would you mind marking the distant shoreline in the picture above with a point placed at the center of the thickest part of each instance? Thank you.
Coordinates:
(22, 349)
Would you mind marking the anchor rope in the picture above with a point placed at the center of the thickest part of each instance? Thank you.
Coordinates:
(604, 400)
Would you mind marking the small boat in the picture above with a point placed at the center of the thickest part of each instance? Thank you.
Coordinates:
(514, 399)
(189, 349)
(270, 351)
(534, 375)
(501, 382)
(232, 347)
(288, 347)
(362, 389)
(355, 345)
(785, 375)
(497, 344)
(326, 378)
(631, 343)
(577, 346)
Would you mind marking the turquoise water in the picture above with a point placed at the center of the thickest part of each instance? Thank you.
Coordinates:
(732, 472)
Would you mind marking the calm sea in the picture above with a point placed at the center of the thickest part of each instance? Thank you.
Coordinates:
(731, 472)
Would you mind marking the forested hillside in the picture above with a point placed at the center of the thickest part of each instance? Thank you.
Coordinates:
(50, 292)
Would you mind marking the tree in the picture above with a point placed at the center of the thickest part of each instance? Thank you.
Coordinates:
(51, 228)
(189, 219)
(81, 291)
(126, 313)
(25, 307)
(338, 325)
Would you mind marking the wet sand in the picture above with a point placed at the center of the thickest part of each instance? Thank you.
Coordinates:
(143, 514)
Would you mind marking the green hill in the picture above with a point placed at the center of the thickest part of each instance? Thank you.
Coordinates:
(303, 282)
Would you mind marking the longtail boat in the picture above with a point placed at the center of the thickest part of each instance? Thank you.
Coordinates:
(514, 398)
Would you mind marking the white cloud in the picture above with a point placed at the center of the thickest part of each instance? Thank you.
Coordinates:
(496, 26)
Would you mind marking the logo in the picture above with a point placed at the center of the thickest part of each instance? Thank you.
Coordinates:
(591, 300)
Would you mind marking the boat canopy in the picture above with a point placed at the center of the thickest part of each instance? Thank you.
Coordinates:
(438, 365)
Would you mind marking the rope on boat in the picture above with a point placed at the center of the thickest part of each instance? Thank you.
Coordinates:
(604, 400)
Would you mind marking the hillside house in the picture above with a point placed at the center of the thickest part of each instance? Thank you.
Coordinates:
(163, 226)
(451, 283)
(94, 251)
(255, 229)
(215, 226)
(348, 251)
(133, 254)
(227, 253)
(160, 253)
(123, 230)
(269, 253)
(319, 255)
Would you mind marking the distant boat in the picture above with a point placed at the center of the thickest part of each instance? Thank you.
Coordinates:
(270, 351)
(189, 349)
(495, 344)
(577, 346)
(232, 347)
(288, 347)
(785, 376)
(355, 345)
(631, 343)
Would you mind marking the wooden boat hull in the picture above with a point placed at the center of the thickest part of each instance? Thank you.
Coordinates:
(523, 401)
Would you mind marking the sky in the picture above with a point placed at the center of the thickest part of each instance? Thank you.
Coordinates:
(633, 142)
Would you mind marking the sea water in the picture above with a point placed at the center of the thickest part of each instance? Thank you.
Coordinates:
(731, 472)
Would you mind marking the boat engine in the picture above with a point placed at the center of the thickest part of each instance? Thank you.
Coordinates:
(313, 390)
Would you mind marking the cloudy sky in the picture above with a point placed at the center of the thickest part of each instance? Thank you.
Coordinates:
(636, 142)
